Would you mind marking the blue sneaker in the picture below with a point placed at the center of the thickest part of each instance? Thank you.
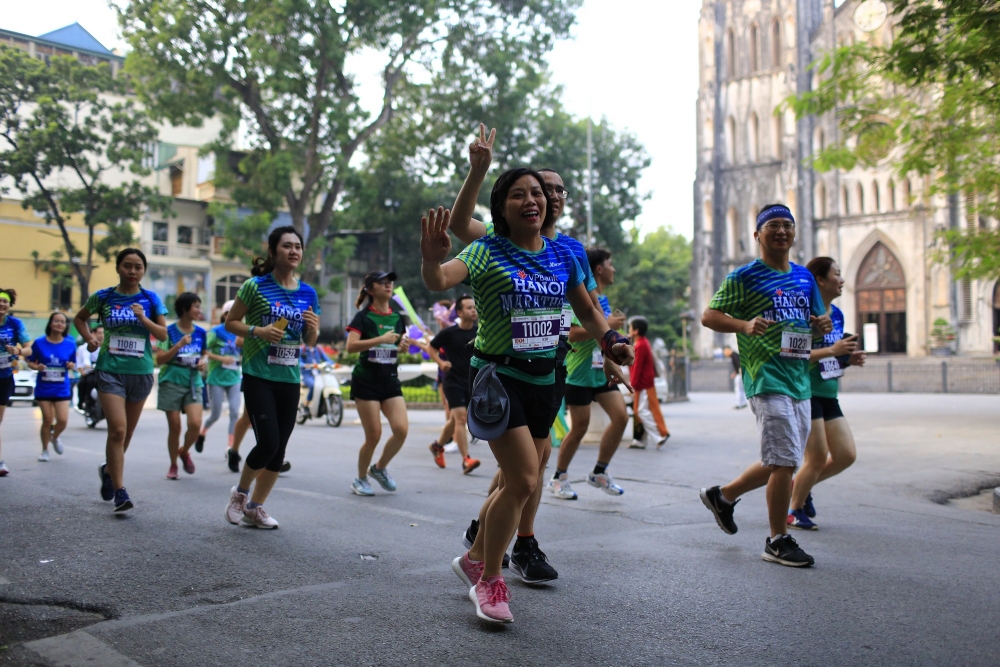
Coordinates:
(361, 487)
(383, 478)
(107, 488)
(798, 519)
(809, 508)
(122, 502)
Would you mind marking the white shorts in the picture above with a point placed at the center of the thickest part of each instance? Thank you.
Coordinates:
(783, 426)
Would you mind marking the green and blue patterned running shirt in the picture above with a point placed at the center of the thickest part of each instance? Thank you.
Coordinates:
(267, 302)
(585, 363)
(520, 296)
(126, 348)
(778, 361)
(825, 373)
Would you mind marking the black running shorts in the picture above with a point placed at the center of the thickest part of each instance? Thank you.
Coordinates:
(585, 395)
(530, 405)
(826, 409)
(381, 390)
(457, 393)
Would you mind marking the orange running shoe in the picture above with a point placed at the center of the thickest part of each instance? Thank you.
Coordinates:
(438, 452)
(469, 464)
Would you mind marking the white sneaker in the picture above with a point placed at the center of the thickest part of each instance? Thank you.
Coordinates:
(258, 518)
(638, 444)
(57, 445)
(605, 483)
(561, 488)
(237, 505)
(451, 448)
(3, 469)
(44, 456)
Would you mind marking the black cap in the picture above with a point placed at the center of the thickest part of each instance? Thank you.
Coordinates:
(379, 276)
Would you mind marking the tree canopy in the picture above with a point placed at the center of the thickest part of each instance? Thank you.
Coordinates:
(928, 101)
(69, 143)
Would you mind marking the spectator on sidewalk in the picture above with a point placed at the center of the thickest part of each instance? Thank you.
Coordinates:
(646, 406)
(737, 377)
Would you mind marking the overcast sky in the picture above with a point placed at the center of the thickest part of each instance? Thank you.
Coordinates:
(633, 61)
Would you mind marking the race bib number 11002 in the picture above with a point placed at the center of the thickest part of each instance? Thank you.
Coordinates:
(535, 330)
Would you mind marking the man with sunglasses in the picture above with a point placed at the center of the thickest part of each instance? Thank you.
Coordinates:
(775, 309)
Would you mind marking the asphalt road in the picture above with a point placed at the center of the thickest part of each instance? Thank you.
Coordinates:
(901, 577)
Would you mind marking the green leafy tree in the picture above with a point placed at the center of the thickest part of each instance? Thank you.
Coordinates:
(653, 282)
(287, 70)
(68, 145)
(929, 102)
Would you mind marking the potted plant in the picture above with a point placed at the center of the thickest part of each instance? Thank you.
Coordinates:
(942, 334)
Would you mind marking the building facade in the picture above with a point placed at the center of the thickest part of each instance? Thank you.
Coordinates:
(879, 226)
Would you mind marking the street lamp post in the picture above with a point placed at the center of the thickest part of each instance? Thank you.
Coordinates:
(393, 205)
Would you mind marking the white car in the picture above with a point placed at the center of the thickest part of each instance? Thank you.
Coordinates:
(24, 386)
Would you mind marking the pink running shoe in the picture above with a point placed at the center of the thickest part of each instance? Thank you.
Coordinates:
(188, 463)
(468, 570)
(258, 518)
(172, 473)
(237, 504)
(492, 597)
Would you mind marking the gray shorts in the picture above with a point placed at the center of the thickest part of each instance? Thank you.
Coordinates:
(783, 426)
(133, 388)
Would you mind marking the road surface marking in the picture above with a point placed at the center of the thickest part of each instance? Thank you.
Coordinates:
(367, 505)
(78, 649)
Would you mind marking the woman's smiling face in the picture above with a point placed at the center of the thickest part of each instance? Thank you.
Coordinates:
(524, 208)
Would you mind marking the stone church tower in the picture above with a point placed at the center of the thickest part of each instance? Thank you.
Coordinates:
(879, 226)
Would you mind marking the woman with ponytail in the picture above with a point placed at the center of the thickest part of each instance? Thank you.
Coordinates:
(129, 314)
(378, 333)
(274, 313)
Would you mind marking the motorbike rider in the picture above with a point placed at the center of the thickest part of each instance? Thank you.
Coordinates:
(310, 359)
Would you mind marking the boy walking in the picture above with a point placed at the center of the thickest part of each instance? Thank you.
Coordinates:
(643, 377)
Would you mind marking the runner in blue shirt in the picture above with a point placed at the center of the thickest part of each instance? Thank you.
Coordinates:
(53, 356)
(12, 336)
(182, 358)
(130, 314)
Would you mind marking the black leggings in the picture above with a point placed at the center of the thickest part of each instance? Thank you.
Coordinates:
(272, 408)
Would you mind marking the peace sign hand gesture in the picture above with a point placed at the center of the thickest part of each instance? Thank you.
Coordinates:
(481, 150)
(435, 243)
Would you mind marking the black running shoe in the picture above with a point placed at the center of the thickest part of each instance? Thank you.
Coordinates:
(530, 563)
(469, 536)
(285, 467)
(199, 444)
(786, 551)
(234, 459)
(722, 510)
(107, 488)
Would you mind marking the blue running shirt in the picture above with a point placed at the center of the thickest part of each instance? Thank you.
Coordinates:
(12, 332)
(267, 302)
(126, 348)
(183, 368)
(824, 373)
(778, 361)
(520, 296)
(223, 343)
(52, 383)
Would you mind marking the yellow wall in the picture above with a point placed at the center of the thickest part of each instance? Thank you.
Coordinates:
(21, 232)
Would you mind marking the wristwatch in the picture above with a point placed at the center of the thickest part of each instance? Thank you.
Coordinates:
(250, 332)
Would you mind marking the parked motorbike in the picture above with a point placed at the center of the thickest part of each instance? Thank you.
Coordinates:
(327, 399)
(91, 406)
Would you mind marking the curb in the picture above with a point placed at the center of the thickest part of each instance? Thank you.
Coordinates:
(996, 500)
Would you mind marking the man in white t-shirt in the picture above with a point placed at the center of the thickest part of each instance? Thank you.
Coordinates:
(85, 363)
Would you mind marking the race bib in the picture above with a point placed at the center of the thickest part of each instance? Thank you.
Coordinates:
(383, 354)
(5, 361)
(188, 360)
(830, 368)
(535, 330)
(235, 366)
(53, 375)
(796, 344)
(124, 346)
(283, 355)
(567, 320)
(597, 359)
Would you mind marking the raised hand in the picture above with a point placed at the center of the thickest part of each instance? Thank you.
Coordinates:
(758, 326)
(481, 150)
(435, 243)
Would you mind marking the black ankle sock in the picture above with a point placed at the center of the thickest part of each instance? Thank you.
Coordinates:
(600, 468)
(558, 472)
